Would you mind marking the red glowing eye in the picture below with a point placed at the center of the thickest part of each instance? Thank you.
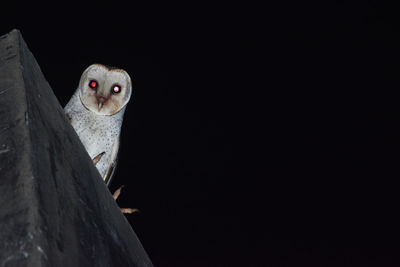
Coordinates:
(116, 89)
(93, 84)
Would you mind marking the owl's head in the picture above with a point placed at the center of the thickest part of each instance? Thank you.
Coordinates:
(105, 90)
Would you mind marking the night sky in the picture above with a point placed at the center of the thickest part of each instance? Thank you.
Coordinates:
(256, 136)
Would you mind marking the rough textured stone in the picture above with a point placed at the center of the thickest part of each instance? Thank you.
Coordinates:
(55, 208)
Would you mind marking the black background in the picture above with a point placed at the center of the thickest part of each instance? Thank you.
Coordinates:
(257, 136)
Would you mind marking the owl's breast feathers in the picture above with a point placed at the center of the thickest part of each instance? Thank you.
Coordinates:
(98, 133)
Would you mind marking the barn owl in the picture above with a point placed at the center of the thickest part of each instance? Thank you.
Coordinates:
(96, 112)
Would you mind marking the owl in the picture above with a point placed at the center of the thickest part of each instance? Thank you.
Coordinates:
(96, 112)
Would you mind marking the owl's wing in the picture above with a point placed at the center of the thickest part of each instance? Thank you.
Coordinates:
(111, 169)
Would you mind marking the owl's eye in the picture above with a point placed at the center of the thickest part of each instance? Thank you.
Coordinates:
(93, 84)
(115, 89)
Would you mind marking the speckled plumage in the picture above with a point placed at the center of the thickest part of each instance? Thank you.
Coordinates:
(97, 126)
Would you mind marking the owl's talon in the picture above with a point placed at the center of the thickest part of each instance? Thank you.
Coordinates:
(98, 157)
(117, 192)
(123, 210)
(127, 210)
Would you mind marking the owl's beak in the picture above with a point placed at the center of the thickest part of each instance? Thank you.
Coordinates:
(100, 101)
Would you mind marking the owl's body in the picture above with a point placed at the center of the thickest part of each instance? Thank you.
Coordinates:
(96, 112)
(97, 133)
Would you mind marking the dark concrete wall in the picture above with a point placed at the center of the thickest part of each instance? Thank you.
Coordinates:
(55, 210)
